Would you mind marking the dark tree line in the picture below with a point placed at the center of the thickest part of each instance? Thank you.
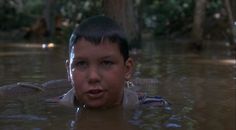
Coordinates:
(157, 16)
(199, 17)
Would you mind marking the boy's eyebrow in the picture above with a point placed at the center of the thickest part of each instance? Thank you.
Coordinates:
(84, 58)
(78, 58)
(106, 57)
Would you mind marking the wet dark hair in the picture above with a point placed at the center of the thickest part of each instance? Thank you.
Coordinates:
(96, 29)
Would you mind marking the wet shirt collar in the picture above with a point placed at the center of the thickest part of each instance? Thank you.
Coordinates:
(130, 99)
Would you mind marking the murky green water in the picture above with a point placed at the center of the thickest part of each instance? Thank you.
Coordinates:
(31, 62)
(200, 86)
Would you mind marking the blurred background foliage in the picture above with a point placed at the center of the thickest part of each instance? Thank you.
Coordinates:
(162, 18)
(15, 14)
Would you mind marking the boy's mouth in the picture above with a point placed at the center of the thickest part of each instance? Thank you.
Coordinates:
(95, 93)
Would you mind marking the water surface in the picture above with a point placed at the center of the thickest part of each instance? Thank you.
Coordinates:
(199, 85)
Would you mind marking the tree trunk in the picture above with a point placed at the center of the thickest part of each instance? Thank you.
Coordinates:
(122, 11)
(232, 35)
(233, 7)
(48, 16)
(199, 16)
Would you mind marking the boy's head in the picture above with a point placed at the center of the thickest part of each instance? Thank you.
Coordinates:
(99, 28)
(99, 63)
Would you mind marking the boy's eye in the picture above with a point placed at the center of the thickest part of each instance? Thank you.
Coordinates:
(107, 63)
(81, 64)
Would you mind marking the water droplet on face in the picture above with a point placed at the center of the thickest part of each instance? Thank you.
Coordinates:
(77, 110)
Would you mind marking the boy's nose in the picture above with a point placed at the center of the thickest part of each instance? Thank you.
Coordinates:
(93, 75)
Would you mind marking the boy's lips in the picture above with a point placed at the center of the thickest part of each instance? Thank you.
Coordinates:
(95, 93)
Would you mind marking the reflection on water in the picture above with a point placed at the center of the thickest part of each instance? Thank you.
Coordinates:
(200, 86)
(30, 62)
(112, 119)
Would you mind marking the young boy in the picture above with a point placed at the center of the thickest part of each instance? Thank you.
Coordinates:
(99, 66)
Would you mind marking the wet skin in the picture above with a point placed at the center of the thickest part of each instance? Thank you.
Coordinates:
(98, 73)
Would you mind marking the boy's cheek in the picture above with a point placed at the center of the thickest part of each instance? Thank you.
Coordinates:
(74, 78)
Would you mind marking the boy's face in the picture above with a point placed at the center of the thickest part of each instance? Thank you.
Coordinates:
(98, 73)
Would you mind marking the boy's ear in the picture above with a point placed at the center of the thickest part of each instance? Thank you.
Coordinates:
(129, 65)
(67, 64)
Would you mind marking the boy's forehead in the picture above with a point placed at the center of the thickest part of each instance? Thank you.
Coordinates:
(87, 47)
(86, 44)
